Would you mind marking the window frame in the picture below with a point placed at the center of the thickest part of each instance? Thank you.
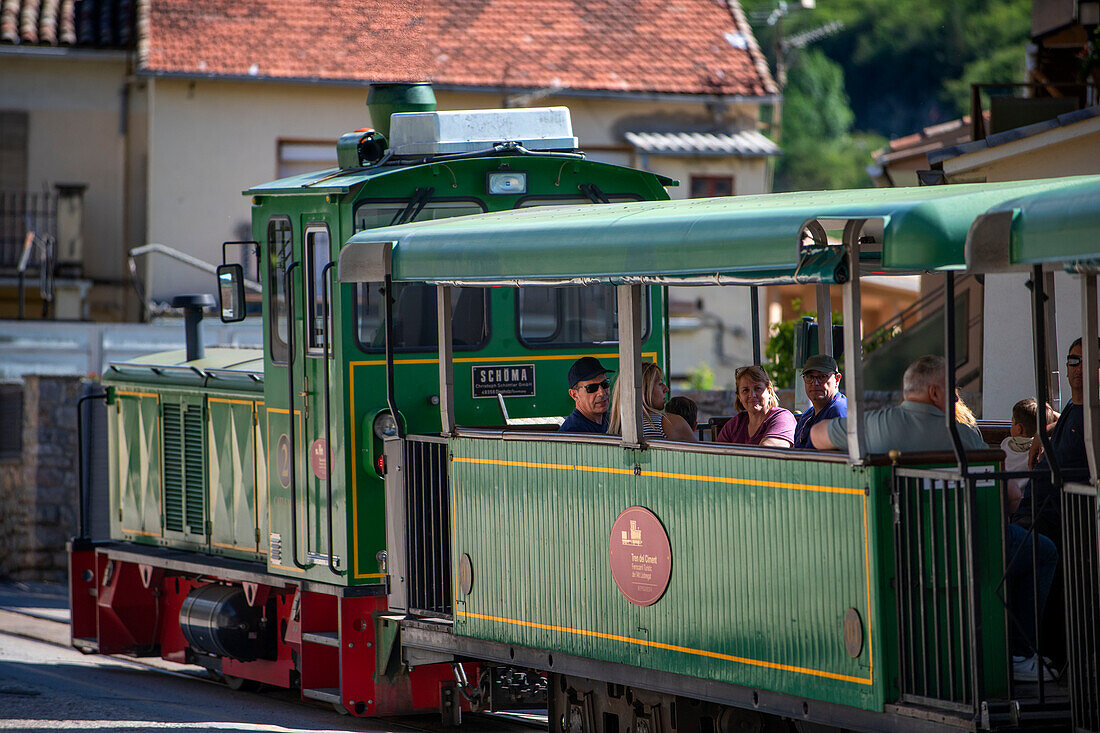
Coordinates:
(313, 299)
(647, 321)
(405, 201)
(626, 198)
(487, 323)
(276, 278)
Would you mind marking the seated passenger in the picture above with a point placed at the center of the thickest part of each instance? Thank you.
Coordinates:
(821, 376)
(686, 408)
(590, 388)
(917, 424)
(1041, 504)
(656, 425)
(1017, 446)
(759, 419)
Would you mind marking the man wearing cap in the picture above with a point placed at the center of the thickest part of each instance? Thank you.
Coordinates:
(821, 377)
(591, 390)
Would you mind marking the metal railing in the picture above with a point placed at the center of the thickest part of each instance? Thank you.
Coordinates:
(427, 513)
(939, 640)
(1082, 597)
(1082, 95)
(23, 212)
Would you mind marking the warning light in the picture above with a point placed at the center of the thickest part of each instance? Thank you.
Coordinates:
(380, 465)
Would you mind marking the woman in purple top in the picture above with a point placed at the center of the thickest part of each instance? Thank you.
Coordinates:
(759, 419)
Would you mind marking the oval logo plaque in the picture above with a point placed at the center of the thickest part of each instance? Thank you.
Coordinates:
(317, 462)
(640, 556)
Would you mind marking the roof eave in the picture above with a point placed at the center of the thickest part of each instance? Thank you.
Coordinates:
(634, 95)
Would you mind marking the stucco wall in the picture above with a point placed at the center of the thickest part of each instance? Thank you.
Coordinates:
(209, 140)
(1007, 354)
(1008, 346)
(75, 135)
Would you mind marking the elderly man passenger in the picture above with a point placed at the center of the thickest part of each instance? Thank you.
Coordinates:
(917, 424)
(591, 391)
(821, 376)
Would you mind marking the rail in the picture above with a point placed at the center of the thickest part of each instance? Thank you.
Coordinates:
(428, 530)
(175, 254)
(939, 640)
(1082, 589)
(1083, 94)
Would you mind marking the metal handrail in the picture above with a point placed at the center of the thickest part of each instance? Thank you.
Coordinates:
(175, 254)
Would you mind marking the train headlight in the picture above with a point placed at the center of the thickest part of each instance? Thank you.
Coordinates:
(385, 426)
(508, 182)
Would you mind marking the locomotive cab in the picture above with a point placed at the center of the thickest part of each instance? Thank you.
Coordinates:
(246, 485)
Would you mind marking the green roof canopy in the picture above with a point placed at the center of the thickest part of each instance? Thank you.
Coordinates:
(747, 238)
(1057, 225)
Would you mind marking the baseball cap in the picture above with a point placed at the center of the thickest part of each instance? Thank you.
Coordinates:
(587, 367)
(821, 363)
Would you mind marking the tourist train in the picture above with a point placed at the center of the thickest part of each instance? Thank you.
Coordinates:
(376, 511)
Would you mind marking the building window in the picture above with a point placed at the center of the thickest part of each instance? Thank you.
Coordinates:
(304, 156)
(708, 186)
(13, 151)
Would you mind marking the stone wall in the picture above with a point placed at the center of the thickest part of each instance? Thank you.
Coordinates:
(39, 506)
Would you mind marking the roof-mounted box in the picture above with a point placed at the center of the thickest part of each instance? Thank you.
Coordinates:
(467, 131)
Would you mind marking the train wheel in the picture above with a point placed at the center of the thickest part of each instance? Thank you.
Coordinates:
(241, 684)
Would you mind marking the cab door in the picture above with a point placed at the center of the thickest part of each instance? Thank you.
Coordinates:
(312, 363)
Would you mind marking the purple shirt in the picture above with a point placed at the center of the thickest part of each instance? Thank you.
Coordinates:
(779, 423)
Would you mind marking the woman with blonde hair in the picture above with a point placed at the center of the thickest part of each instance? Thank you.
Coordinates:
(656, 425)
(759, 419)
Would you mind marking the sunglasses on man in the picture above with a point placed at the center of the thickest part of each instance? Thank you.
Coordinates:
(1073, 361)
(596, 387)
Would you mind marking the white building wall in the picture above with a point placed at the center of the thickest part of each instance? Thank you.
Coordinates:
(75, 134)
(210, 139)
(1007, 354)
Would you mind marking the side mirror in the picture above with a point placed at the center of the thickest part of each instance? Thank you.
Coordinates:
(231, 293)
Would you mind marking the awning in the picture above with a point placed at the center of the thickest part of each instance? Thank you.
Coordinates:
(745, 144)
(732, 238)
(1059, 225)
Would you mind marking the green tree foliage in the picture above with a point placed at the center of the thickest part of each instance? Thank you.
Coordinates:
(820, 151)
(779, 351)
(908, 64)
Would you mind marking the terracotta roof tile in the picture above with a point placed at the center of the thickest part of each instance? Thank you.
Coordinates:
(675, 46)
(108, 24)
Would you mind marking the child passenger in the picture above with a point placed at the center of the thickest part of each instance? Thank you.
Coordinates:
(686, 408)
(1025, 425)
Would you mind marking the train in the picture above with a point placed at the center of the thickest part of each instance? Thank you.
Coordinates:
(428, 543)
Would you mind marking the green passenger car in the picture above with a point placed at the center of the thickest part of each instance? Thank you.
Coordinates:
(665, 584)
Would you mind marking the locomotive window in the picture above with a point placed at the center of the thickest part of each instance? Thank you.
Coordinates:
(561, 316)
(371, 214)
(317, 251)
(279, 255)
(415, 325)
(530, 201)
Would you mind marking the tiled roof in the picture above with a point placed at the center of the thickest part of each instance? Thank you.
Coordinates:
(747, 143)
(662, 46)
(93, 23)
(1018, 133)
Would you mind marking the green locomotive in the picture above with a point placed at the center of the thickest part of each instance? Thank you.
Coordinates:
(259, 472)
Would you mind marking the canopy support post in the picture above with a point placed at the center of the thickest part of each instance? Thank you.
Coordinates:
(1090, 331)
(853, 346)
(630, 363)
(1039, 323)
(1053, 357)
(949, 359)
(446, 360)
(754, 308)
(824, 321)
